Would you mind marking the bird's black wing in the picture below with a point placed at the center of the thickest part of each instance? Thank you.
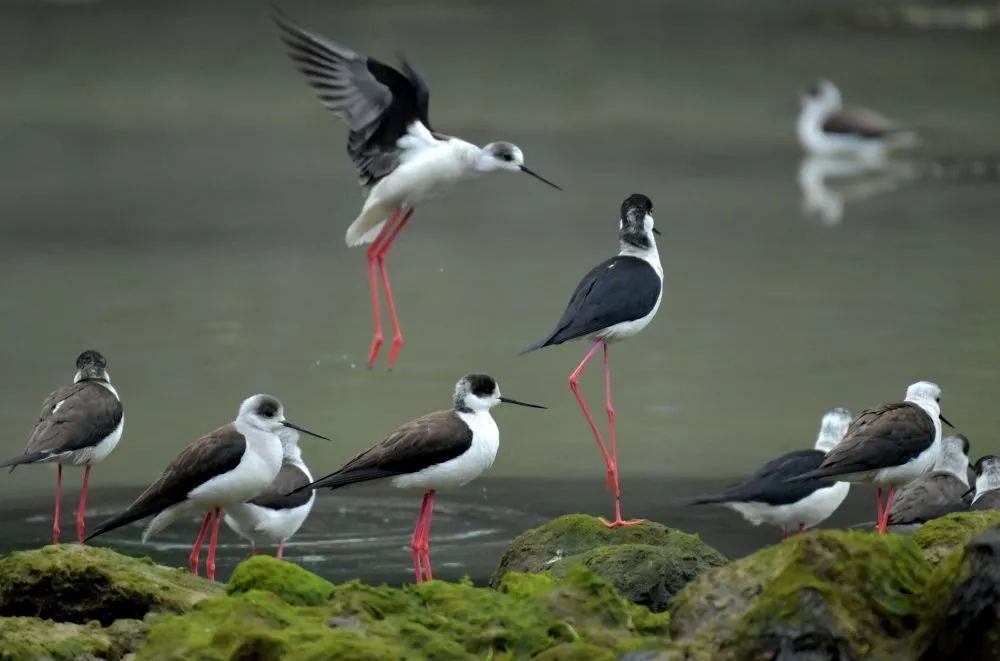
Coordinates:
(623, 288)
(988, 501)
(859, 122)
(279, 494)
(882, 437)
(429, 440)
(377, 102)
(74, 417)
(211, 455)
(928, 497)
(770, 483)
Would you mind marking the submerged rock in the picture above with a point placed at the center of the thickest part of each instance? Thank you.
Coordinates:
(74, 583)
(942, 536)
(828, 595)
(647, 564)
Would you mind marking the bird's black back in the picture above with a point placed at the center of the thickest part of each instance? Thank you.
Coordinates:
(769, 485)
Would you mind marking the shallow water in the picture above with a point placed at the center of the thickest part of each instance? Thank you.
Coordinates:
(177, 199)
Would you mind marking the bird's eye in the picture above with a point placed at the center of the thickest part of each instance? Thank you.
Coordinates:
(507, 157)
(937, 399)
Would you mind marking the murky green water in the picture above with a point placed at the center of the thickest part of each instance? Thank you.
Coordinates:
(172, 195)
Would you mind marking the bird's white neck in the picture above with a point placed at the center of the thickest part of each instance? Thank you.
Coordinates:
(649, 255)
(988, 480)
(954, 462)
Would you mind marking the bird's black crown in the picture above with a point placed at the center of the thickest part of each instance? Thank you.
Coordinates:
(268, 407)
(481, 385)
(91, 359)
(965, 444)
(636, 205)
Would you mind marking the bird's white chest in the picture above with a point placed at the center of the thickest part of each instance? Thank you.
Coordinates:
(464, 468)
(425, 171)
(258, 467)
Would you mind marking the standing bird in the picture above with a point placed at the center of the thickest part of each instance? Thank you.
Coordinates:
(614, 301)
(768, 497)
(889, 445)
(272, 516)
(940, 492)
(826, 127)
(226, 467)
(440, 450)
(400, 160)
(79, 425)
(987, 484)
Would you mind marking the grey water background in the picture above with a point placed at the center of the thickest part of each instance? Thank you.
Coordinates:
(172, 194)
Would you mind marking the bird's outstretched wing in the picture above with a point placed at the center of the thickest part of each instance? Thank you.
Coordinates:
(623, 288)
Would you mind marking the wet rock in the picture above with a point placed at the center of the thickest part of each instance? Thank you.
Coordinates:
(578, 616)
(291, 583)
(77, 584)
(829, 595)
(647, 564)
(968, 602)
(940, 537)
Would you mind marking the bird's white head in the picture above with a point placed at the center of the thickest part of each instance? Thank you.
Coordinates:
(265, 413)
(924, 393)
(954, 457)
(636, 229)
(987, 474)
(480, 392)
(832, 428)
(821, 97)
(91, 366)
(505, 156)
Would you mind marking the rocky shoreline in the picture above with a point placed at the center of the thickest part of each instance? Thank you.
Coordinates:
(570, 589)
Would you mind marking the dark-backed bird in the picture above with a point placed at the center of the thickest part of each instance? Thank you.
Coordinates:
(768, 496)
(987, 484)
(79, 425)
(890, 445)
(273, 516)
(826, 127)
(614, 301)
(226, 467)
(400, 159)
(939, 492)
(440, 450)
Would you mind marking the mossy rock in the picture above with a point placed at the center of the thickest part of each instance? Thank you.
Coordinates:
(830, 594)
(949, 533)
(962, 603)
(527, 616)
(647, 563)
(291, 583)
(74, 583)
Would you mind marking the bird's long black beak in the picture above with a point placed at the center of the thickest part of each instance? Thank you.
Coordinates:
(291, 425)
(972, 489)
(508, 400)
(539, 177)
(656, 231)
(945, 421)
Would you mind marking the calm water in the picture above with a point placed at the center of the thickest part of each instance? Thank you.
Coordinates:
(176, 198)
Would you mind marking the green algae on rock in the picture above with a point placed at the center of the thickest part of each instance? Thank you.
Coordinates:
(526, 616)
(832, 593)
(32, 638)
(949, 533)
(75, 583)
(292, 583)
(647, 564)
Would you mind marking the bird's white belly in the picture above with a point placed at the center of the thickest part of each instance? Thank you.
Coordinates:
(95, 453)
(818, 141)
(426, 173)
(261, 524)
(252, 475)
(810, 511)
(626, 329)
(463, 468)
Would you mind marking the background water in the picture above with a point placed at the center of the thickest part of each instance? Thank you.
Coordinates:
(172, 194)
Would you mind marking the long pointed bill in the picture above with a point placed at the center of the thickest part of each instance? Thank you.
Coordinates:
(538, 177)
(945, 421)
(656, 231)
(508, 400)
(303, 430)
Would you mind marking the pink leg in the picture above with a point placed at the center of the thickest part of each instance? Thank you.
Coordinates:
(415, 540)
(425, 534)
(784, 534)
(196, 549)
(878, 506)
(884, 523)
(212, 544)
(613, 468)
(802, 529)
(80, 528)
(574, 386)
(253, 549)
(373, 287)
(281, 548)
(55, 520)
(397, 334)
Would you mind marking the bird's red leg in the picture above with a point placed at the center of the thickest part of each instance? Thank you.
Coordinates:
(613, 467)
(281, 549)
(425, 542)
(253, 549)
(83, 506)
(397, 334)
(784, 534)
(55, 520)
(373, 286)
(196, 549)
(884, 523)
(415, 540)
(212, 544)
(802, 528)
(878, 507)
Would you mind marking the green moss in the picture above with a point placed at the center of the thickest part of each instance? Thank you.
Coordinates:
(75, 583)
(526, 616)
(31, 638)
(852, 591)
(941, 536)
(291, 583)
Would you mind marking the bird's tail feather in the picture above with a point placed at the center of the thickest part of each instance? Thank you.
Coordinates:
(715, 499)
(366, 227)
(28, 458)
